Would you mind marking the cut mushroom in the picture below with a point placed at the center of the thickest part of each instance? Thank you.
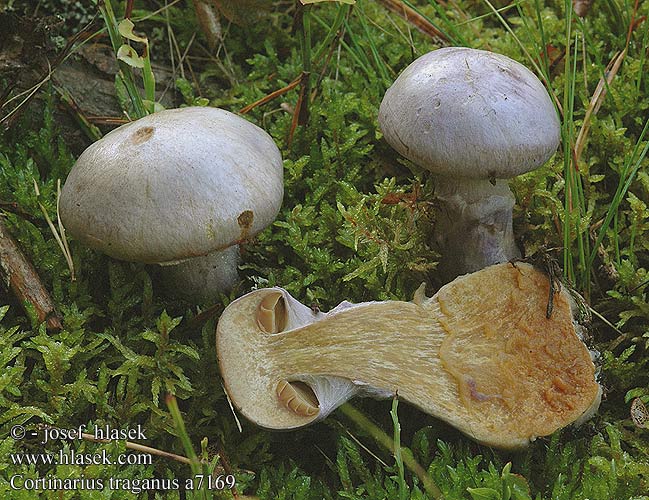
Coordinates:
(491, 364)
(473, 118)
(180, 188)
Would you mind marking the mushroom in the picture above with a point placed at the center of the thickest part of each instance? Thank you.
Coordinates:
(180, 188)
(474, 118)
(492, 365)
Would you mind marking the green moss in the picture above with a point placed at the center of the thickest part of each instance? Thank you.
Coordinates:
(355, 225)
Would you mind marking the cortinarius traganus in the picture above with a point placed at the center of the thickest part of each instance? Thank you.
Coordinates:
(473, 118)
(173, 187)
(492, 365)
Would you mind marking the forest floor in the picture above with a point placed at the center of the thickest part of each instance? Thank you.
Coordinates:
(355, 225)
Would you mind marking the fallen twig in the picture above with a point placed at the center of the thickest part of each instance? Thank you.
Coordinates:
(414, 18)
(19, 275)
(273, 95)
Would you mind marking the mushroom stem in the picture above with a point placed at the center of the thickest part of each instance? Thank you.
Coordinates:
(328, 353)
(490, 364)
(474, 225)
(201, 278)
(468, 113)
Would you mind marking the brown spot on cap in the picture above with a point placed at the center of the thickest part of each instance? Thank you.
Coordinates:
(142, 134)
(245, 219)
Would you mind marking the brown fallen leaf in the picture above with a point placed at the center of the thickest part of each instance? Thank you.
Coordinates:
(241, 12)
(581, 7)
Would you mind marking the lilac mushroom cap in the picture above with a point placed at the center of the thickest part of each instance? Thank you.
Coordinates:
(174, 185)
(464, 112)
(471, 117)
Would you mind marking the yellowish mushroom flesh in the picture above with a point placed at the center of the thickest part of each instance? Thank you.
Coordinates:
(480, 354)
